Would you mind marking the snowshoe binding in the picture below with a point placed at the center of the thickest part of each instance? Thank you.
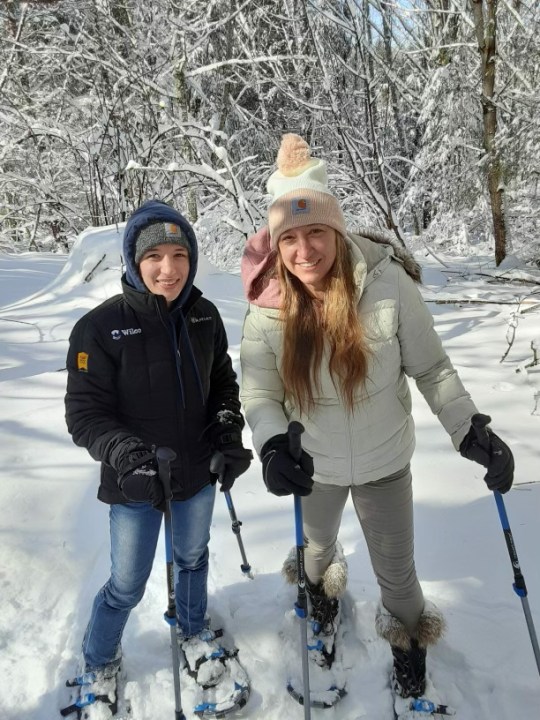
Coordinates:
(420, 709)
(97, 695)
(324, 632)
(323, 624)
(224, 684)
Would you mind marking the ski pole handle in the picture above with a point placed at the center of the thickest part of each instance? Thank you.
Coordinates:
(217, 464)
(165, 456)
(294, 432)
(480, 423)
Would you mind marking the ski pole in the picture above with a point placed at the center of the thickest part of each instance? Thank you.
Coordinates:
(164, 457)
(294, 432)
(519, 581)
(217, 466)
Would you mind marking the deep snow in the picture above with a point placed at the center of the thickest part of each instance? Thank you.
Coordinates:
(55, 538)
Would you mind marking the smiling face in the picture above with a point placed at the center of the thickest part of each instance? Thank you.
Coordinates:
(309, 252)
(164, 270)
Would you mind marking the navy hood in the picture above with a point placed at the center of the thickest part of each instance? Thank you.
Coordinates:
(150, 212)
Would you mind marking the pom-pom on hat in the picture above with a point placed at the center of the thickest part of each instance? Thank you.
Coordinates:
(299, 188)
(159, 233)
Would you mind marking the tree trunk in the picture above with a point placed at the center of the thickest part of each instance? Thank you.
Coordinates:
(227, 84)
(486, 33)
(386, 12)
(187, 153)
(119, 12)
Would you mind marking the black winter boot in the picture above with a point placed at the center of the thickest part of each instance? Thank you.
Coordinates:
(409, 674)
(324, 610)
(324, 604)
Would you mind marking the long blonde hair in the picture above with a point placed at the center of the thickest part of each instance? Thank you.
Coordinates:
(308, 323)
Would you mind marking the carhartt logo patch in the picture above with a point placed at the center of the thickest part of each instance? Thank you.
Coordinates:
(300, 206)
(82, 362)
(173, 232)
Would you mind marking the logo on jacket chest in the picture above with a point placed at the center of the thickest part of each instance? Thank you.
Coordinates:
(118, 334)
(200, 319)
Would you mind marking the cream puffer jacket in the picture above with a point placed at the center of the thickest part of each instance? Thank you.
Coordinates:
(378, 438)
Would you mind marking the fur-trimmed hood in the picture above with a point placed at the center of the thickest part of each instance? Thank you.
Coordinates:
(369, 246)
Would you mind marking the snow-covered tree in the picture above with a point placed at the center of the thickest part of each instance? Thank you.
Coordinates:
(105, 103)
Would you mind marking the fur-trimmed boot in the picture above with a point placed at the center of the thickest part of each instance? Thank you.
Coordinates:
(409, 671)
(324, 605)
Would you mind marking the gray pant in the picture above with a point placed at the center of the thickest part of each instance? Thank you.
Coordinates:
(385, 511)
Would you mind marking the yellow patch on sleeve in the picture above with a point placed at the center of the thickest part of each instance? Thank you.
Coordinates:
(82, 362)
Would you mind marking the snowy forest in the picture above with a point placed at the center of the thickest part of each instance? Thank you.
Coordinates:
(427, 112)
(428, 115)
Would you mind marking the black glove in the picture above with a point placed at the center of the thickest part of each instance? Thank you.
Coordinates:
(282, 474)
(236, 458)
(139, 480)
(484, 447)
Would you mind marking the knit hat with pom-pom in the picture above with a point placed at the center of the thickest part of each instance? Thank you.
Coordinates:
(299, 188)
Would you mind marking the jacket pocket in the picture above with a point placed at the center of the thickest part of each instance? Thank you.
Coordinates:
(379, 321)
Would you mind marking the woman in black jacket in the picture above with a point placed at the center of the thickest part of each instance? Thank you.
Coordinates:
(149, 368)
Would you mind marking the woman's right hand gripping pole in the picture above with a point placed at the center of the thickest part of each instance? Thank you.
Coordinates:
(283, 474)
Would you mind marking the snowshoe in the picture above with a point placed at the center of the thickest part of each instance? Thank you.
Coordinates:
(224, 684)
(205, 657)
(327, 680)
(97, 695)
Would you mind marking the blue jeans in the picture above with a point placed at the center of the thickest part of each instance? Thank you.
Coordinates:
(134, 535)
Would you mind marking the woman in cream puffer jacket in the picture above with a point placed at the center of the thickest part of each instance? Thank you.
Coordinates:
(335, 326)
(378, 439)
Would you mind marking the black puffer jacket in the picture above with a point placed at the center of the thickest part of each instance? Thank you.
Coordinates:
(139, 370)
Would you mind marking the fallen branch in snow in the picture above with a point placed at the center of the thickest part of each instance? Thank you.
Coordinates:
(511, 331)
(535, 345)
(496, 278)
(24, 322)
(92, 271)
(531, 308)
(476, 301)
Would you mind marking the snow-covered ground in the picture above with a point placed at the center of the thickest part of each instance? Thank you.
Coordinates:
(54, 550)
